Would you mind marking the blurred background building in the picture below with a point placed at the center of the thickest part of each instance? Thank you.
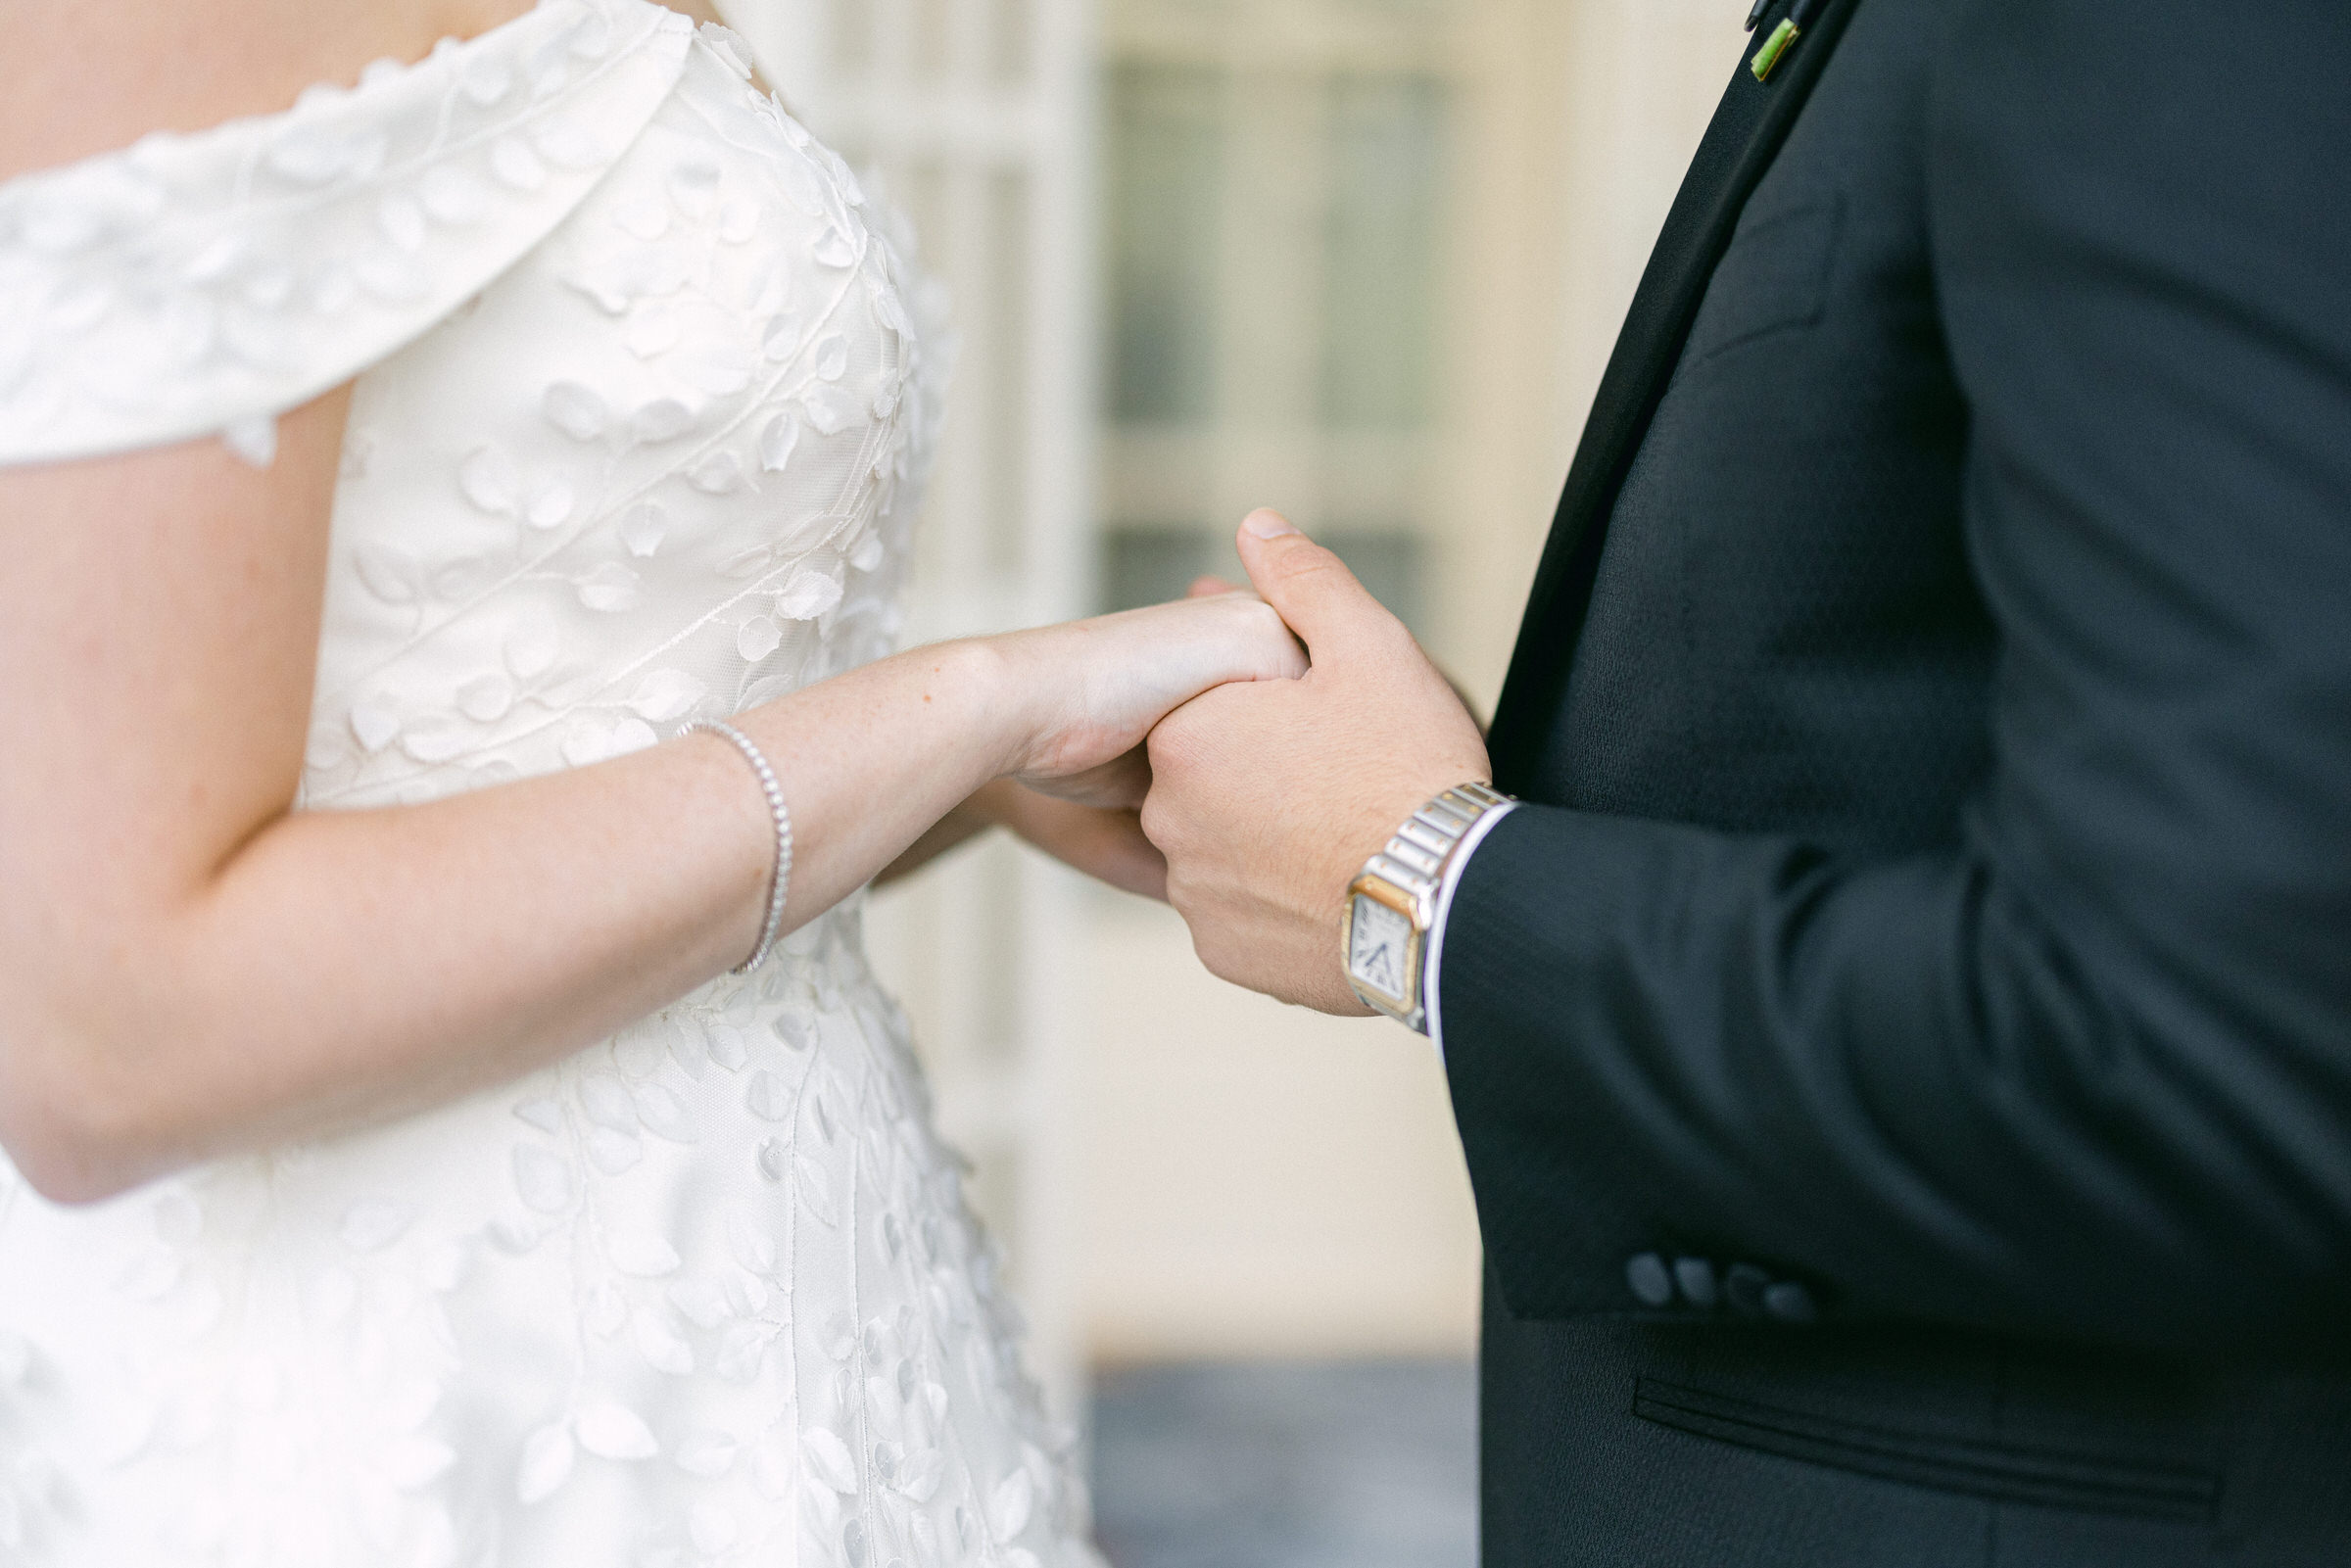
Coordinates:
(1362, 259)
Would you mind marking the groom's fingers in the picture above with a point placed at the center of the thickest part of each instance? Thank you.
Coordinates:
(1120, 784)
(1106, 844)
(1311, 587)
(1210, 587)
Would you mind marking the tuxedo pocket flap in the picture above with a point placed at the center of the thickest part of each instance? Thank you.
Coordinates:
(1775, 277)
(2047, 1477)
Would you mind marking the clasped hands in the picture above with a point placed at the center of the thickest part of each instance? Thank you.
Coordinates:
(1264, 798)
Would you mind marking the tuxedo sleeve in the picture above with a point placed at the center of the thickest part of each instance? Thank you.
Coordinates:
(2085, 1070)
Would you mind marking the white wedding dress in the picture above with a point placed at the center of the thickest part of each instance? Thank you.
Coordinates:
(640, 409)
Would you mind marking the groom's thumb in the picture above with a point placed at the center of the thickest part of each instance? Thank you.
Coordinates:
(1308, 586)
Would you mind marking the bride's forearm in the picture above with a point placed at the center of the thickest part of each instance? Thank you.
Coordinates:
(343, 966)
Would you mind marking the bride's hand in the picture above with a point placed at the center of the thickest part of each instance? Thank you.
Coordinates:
(1095, 689)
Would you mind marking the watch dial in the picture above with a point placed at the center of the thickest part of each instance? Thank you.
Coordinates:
(1377, 940)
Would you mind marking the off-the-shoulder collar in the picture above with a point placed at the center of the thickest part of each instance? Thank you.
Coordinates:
(206, 282)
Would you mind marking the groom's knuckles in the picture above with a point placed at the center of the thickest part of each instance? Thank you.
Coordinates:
(1279, 656)
(1195, 734)
(1156, 818)
(1168, 810)
(1173, 746)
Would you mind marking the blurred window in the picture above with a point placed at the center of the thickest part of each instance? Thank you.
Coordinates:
(1149, 563)
(1379, 300)
(1275, 205)
(1167, 144)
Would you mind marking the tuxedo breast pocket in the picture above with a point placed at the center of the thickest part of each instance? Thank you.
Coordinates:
(1774, 279)
(2048, 1475)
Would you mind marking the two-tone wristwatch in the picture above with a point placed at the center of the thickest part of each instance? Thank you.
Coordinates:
(1392, 905)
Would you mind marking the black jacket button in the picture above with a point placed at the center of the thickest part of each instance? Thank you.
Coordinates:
(1696, 1277)
(1791, 1302)
(1745, 1286)
(1652, 1285)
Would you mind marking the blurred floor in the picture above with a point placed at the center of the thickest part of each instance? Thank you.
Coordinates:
(1291, 1464)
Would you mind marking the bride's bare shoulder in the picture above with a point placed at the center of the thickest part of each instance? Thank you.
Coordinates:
(86, 77)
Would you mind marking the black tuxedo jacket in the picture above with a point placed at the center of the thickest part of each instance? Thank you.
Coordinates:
(1903, 1050)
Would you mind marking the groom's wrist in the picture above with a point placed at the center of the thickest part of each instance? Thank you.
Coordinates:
(1432, 964)
(1392, 930)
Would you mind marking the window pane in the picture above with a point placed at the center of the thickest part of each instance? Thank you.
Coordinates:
(1006, 394)
(1388, 562)
(1166, 168)
(1387, 135)
(1148, 564)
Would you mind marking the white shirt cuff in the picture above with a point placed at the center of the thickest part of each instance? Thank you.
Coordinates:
(1435, 963)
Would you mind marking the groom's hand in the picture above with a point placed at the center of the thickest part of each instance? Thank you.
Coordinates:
(1268, 797)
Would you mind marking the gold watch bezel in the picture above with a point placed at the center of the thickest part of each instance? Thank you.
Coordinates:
(1382, 891)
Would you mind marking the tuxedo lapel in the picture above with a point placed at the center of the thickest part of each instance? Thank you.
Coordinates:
(1746, 136)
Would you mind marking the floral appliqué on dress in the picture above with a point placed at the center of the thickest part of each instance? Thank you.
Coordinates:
(641, 412)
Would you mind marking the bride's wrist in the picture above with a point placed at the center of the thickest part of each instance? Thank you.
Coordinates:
(1026, 674)
(1000, 685)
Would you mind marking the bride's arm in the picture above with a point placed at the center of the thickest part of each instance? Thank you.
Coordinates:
(86, 77)
(187, 967)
